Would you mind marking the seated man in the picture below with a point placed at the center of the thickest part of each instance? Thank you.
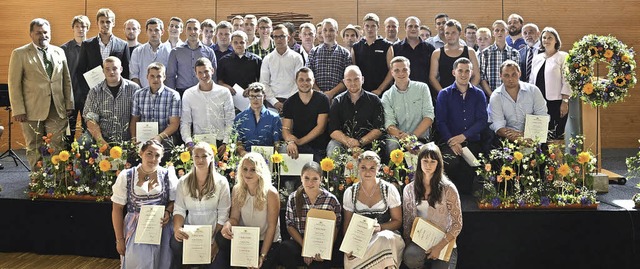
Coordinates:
(461, 119)
(107, 110)
(512, 101)
(257, 126)
(357, 117)
(306, 114)
(208, 107)
(408, 109)
(157, 103)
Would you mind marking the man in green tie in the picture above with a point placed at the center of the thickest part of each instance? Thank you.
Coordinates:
(40, 90)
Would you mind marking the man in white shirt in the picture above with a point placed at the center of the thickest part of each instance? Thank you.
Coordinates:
(208, 107)
(175, 30)
(278, 69)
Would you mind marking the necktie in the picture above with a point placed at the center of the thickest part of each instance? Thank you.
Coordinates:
(529, 60)
(47, 63)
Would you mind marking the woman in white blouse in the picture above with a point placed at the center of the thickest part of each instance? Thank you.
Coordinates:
(547, 74)
(202, 199)
(375, 198)
(255, 203)
(146, 184)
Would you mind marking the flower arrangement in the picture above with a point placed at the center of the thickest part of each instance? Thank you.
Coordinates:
(519, 175)
(579, 70)
(633, 165)
(85, 169)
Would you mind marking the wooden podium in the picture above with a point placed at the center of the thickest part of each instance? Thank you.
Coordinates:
(593, 140)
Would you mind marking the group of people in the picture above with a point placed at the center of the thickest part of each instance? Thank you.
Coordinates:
(204, 197)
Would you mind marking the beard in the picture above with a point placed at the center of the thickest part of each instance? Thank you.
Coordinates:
(515, 31)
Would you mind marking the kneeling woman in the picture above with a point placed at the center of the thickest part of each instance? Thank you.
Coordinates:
(146, 184)
(202, 199)
(379, 200)
(255, 203)
(309, 195)
(431, 196)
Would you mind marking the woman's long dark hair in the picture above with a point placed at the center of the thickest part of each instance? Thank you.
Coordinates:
(299, 199)
(433, 152)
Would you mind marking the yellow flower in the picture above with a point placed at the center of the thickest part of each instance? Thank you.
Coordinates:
(584, 157)
(105, 165)
(327, 164)
(276, 158)
(583, 70)
(625, 58)
(518, 156)
(593, 51)
(55, 159)
(507, 173)
(115, 152)
(587, 88)
(619, 81)
(397, 156)
(185, 156)
(214, 148)
(608, 53)
(564, 170)
(64, 155)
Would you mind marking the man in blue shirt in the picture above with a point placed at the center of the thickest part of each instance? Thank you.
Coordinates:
(152, 51)
(461, 119)
(257, 126)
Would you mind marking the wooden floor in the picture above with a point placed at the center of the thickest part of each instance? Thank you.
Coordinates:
(34, 261)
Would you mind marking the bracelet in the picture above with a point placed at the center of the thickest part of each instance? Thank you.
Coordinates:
(119, 240)
(263, 256)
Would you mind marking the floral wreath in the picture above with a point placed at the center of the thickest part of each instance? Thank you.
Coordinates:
(620, 78)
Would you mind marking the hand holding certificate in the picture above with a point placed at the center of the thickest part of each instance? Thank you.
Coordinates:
(197, 249)
(426, 235)
(318, 236)
(536, 127)
(149, 228)
(244, 246)
(359, 233)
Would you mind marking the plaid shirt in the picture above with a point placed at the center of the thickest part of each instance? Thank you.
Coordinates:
(111, 113)
(490, 60)
(325, 201)
(105, 50)
(257, 49)
(157, 107)
(328, 65)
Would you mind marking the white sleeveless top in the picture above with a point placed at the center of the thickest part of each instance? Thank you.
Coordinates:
(251, 217)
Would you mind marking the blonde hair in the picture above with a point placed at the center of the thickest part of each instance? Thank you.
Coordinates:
(192, 182)
(241, 190)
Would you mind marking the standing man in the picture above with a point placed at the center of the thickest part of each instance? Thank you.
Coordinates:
(425, 32)
(222, 47)
(175, 30)
(208, 32)
(416, 49)
(531, 35)
(238, 23)
(131, 32)
(208, 107)
(80, 25)
(408, 109)
(439, 40)
(307, 36)
(328, 61)
(461, 119)
(470, 35)
(350, 35)
(107, 111)
(152, 51)
(293, 33)
(484, 40)
(306, 114)
(357, 116)
(278, 69)
(372, 55)
(391, 30)
(180, 75)
(492, 57)
(95, 50)
(443, 58)
(250, 23)
(240, 59)
(40, 90)
(265, 44)
(515, 39)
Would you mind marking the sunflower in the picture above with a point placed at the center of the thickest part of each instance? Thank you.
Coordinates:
(584, 157)
(507, 173)
(584, 70)
(518, 156)
(564, 170)
(619, 81)
(397, 156)
(55, 159)
(587, 88)
(185, 156)
(327, 164)
(64, 155)
(608, 54)
(105, 165)
(625, 58)
(593, 51)
(115, 152)
(214, 148)
(276, 157)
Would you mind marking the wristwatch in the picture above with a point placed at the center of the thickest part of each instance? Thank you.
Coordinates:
(565, 100)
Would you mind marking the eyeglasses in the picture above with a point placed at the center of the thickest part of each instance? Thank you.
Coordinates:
(264, 27)
(279, 37)
(255, 97)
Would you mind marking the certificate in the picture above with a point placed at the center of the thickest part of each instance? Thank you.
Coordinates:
(145, 131)
(94, 76)
(197, 249)
(426, 235)
(209, 138)
(318, 235)
(536, 127)
(239, 101)
(359, 233)
(149, 228)
(244, 246)
(468, 157)
(294, 167)
(265, 151)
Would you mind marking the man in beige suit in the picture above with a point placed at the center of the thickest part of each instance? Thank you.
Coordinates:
(40, 90)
